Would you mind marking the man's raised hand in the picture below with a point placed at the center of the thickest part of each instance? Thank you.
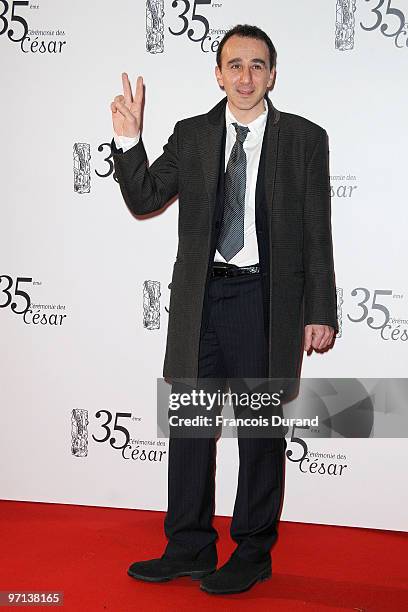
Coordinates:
(127, 109)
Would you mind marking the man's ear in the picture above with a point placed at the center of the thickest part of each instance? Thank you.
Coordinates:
(218, 76)
(272, 78)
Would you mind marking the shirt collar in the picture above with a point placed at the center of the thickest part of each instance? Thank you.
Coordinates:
(256, 127)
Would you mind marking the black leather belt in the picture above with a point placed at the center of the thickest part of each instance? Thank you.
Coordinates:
(226, 269)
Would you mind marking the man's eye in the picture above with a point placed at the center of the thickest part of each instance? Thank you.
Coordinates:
(257, 66)
(235, 66)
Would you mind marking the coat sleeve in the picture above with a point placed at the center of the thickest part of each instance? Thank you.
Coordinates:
(320, 285)
(146, 189)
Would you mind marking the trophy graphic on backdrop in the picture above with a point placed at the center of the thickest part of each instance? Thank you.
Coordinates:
(345, 22)
(79, 432)
(340, 302)
(82, 167)
(154, 26)
(151, 304)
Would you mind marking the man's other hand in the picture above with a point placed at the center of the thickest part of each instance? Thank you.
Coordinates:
(318, 337)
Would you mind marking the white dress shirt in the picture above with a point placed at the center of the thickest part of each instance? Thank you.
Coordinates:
(248, 255)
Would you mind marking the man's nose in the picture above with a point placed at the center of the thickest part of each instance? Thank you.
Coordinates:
(246, 75)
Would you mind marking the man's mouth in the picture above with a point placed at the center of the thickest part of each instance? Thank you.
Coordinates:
(245, 92)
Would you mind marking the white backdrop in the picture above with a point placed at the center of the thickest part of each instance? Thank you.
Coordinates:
(70, 243)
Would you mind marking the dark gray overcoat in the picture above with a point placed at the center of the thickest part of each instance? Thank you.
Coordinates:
(296, 187)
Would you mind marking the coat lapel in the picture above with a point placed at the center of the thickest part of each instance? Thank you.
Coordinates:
(271, 140)
(210, 143)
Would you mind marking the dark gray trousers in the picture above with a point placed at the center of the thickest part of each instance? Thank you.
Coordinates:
(233, 345)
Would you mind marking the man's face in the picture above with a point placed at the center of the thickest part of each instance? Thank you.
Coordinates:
(245, 73)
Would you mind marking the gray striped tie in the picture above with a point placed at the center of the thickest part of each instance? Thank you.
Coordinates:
(231, 238)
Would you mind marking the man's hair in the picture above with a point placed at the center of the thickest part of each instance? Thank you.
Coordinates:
(248, 31)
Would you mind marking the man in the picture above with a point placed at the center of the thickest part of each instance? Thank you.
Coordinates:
(252, 284)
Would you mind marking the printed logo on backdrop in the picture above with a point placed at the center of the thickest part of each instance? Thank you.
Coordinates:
(383, 312)
(189, 19)
(14, 295)
(79, 433)
(11, 288)
(319, 463)
(82, 165)
(346, 188)
(340, 301)
(345, 24)
(379, 16)
(113, 431)
(13, 22)
(345, 409)
(155, 26)
(151, 304)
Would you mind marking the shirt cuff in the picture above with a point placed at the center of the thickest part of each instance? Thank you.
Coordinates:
(125, 142)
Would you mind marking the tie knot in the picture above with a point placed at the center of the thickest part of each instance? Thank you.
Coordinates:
(242, 131)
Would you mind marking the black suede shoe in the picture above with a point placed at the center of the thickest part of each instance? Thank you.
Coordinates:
(164, 569)
(236, 575)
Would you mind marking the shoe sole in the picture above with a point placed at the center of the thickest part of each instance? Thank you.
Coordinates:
(195, 575)
(261, 578)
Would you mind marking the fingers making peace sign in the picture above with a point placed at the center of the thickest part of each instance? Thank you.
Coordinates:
(127, 108)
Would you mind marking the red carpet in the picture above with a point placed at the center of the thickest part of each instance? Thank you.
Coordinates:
(85, 551)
